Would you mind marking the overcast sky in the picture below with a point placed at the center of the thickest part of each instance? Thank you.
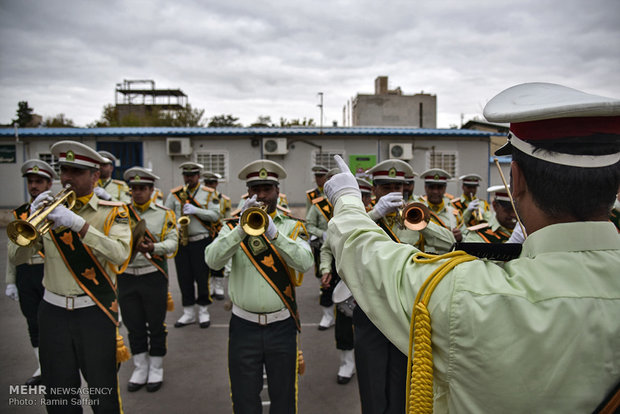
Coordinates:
(251, 58)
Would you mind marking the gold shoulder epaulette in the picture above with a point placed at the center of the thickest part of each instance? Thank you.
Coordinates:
(209, 189)
(450, 196)
(225, 197)
(119, 182)
(110, 203)
(175, 189)
(161, 206)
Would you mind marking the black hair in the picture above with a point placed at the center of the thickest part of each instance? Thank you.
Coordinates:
(582, 193)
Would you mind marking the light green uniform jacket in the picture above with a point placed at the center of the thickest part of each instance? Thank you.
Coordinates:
(209, 212)
(246, 287)
(539, 335)
(112, 249)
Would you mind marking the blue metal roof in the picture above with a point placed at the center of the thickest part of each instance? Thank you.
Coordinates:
(268, 131)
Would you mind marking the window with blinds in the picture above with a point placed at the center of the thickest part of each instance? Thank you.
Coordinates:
(51, 160)
(214, 161)
(326, 158)
(446, 160)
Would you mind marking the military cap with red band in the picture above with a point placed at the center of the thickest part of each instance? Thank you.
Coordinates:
(39, 167)
(262, 172)
(391, 170)
(77, 155)
(544, 112)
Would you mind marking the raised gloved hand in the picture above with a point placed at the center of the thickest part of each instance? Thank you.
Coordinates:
(341, 184)
(473, 205)
(102, 194)
(62, 216)
(44, 197)
(517, 235)
(189, 209)
(250, 202)
(11, 291)
(386, 205)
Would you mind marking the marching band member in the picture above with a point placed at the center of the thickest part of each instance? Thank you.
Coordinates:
(88, 245)
(381, 367)
(113, 189)
(435, 183)
(501, 329)
(24, 282)
(143, 288)
(197, 202)
(471, 210)
(264, 322)
(499, 227)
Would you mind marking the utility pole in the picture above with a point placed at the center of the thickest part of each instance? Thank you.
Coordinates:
(320, 105)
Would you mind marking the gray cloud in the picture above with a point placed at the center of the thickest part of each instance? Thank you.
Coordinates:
(271, 58)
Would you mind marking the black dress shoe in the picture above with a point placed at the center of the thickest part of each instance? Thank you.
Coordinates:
(323, 328)
(153, 386)
(205, 325)
(218, 297)
(133, 387)
(343, 380)
(36, 380)
(181, 324)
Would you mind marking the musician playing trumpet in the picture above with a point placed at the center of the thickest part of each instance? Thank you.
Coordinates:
(85, 249)
(374, 353)
(198, 203)
(143, 288)
(264, 322)
(501, 224)
(471, 209)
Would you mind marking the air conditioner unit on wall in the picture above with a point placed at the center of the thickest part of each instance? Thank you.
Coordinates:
(401, 151)
(274, 146)
(178, 146)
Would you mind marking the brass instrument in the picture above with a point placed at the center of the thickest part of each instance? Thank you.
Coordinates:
(478, 214)
(414, 216)
(26, 232)
(254, 220)
(183, 221)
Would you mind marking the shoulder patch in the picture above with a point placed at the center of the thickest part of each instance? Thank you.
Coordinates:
(110, 203)
(175, 189)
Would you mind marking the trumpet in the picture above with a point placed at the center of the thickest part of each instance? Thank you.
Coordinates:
(183, 221)
(25, 232)
(414, 216)
(254, 220)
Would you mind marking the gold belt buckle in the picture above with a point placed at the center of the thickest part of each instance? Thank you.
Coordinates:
(70, 302)
(262, 323)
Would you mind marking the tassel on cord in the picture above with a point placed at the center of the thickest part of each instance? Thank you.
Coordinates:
(301, 364)
(122, 353)
(169, 303)
(420, 361)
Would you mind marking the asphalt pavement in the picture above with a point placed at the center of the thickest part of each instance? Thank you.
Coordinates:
(195, 368)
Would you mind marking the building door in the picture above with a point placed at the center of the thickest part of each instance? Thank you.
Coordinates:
(129, 154)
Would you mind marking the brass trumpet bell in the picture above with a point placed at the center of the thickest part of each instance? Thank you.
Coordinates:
(415, 216)
(254, 221)
(25, 232)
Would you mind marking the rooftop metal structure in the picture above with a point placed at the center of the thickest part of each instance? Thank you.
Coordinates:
(143, 93)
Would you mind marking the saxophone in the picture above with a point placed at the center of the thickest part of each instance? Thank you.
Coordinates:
(183, 221)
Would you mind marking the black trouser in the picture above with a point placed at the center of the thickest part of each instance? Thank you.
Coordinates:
(73, 341)
(325, 299)
(251, 346)
(29, 282)
(381, 368)
(343, 331)
(192, 269)
(144, 299)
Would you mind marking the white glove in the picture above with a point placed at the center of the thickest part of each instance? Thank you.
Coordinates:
(102, 194)
(341, 184)
(272, 230)
(250, 202)
(62, 216)
(11, 291)
(473, 205)
(44, 197)
(517, 235)
(386, 204)
(189, 209)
